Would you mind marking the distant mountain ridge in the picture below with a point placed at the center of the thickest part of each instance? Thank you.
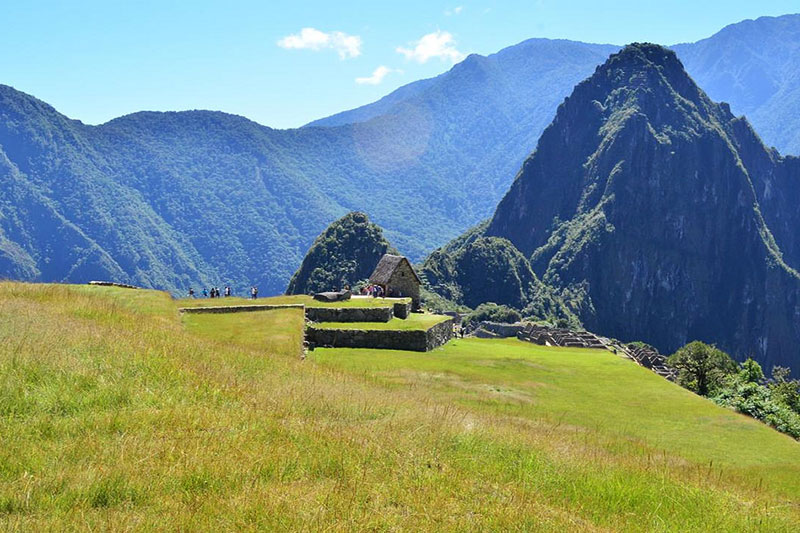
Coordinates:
(170, 200)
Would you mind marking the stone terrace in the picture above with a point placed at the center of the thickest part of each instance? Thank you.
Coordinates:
(548, 336)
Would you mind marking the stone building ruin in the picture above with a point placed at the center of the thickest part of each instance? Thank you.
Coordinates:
(396, 276)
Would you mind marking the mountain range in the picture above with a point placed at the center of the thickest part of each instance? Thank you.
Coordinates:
(169, 200)
(650, 210)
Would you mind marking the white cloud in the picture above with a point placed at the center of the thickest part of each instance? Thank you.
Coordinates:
(455, 11)
(377, 76)
(346, 46)
(439, 44)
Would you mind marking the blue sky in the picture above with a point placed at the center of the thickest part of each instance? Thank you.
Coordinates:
(96, 60)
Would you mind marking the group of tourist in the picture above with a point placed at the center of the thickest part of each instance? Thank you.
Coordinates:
(214, 292)
(376, 291)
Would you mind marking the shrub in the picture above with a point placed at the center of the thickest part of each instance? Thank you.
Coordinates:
(702, 368)
(756, 400)
(491, 312)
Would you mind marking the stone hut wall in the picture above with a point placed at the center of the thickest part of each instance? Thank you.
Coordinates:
(404, 283)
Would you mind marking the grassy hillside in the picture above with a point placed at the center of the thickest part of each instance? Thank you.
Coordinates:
(116, 413)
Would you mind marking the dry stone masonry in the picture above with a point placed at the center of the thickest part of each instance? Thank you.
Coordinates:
(409, 340)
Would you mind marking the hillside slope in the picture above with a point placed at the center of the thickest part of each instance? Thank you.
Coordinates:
(753, 66)
(117, 414)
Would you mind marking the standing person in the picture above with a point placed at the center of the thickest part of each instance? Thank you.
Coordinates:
(191, 292)
(205, 292)
(227, 291)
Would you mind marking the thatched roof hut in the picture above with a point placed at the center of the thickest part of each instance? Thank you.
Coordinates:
(397, 277)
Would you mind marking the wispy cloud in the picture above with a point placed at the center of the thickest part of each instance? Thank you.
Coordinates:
(455, 11)
(439, 44)
(377, 76)
(347, 46)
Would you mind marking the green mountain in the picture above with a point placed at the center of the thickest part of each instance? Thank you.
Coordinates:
(642, 207)
(345, 253)
(170, 200)
(753, 65)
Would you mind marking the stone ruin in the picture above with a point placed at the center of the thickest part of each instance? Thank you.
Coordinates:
(643, 354)
(549, 336)
(648, 357)
(333, 296)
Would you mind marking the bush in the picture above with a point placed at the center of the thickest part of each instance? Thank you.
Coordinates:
(491, 312)
(756, 400)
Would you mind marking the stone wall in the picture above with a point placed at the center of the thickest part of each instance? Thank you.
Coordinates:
(497, 329)
(238, 308)
(402, 309)
(112, 284)
(349, 314)
(410, 340)
(439, 335)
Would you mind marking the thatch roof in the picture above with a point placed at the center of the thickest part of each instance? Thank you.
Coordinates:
(386, 267)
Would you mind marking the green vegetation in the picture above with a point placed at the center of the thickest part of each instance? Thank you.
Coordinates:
(492, 312)
(344, 254)
(423, 321)
(475, 269)
(608, 438)
(710, 372)
(702, 368)
(272, 331)
(118, 414)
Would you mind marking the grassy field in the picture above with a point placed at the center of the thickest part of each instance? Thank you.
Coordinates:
(308, 301)
(118, 414)
(423, 321)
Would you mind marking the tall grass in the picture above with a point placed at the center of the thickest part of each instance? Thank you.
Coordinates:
(115, 415)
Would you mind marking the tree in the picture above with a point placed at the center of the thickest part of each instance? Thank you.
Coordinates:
(702, 368)
(751, 371)
(785, 390)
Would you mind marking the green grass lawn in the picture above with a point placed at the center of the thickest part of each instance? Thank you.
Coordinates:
(116, 413)
(271, 331)
(423, 321)
(294, 299)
